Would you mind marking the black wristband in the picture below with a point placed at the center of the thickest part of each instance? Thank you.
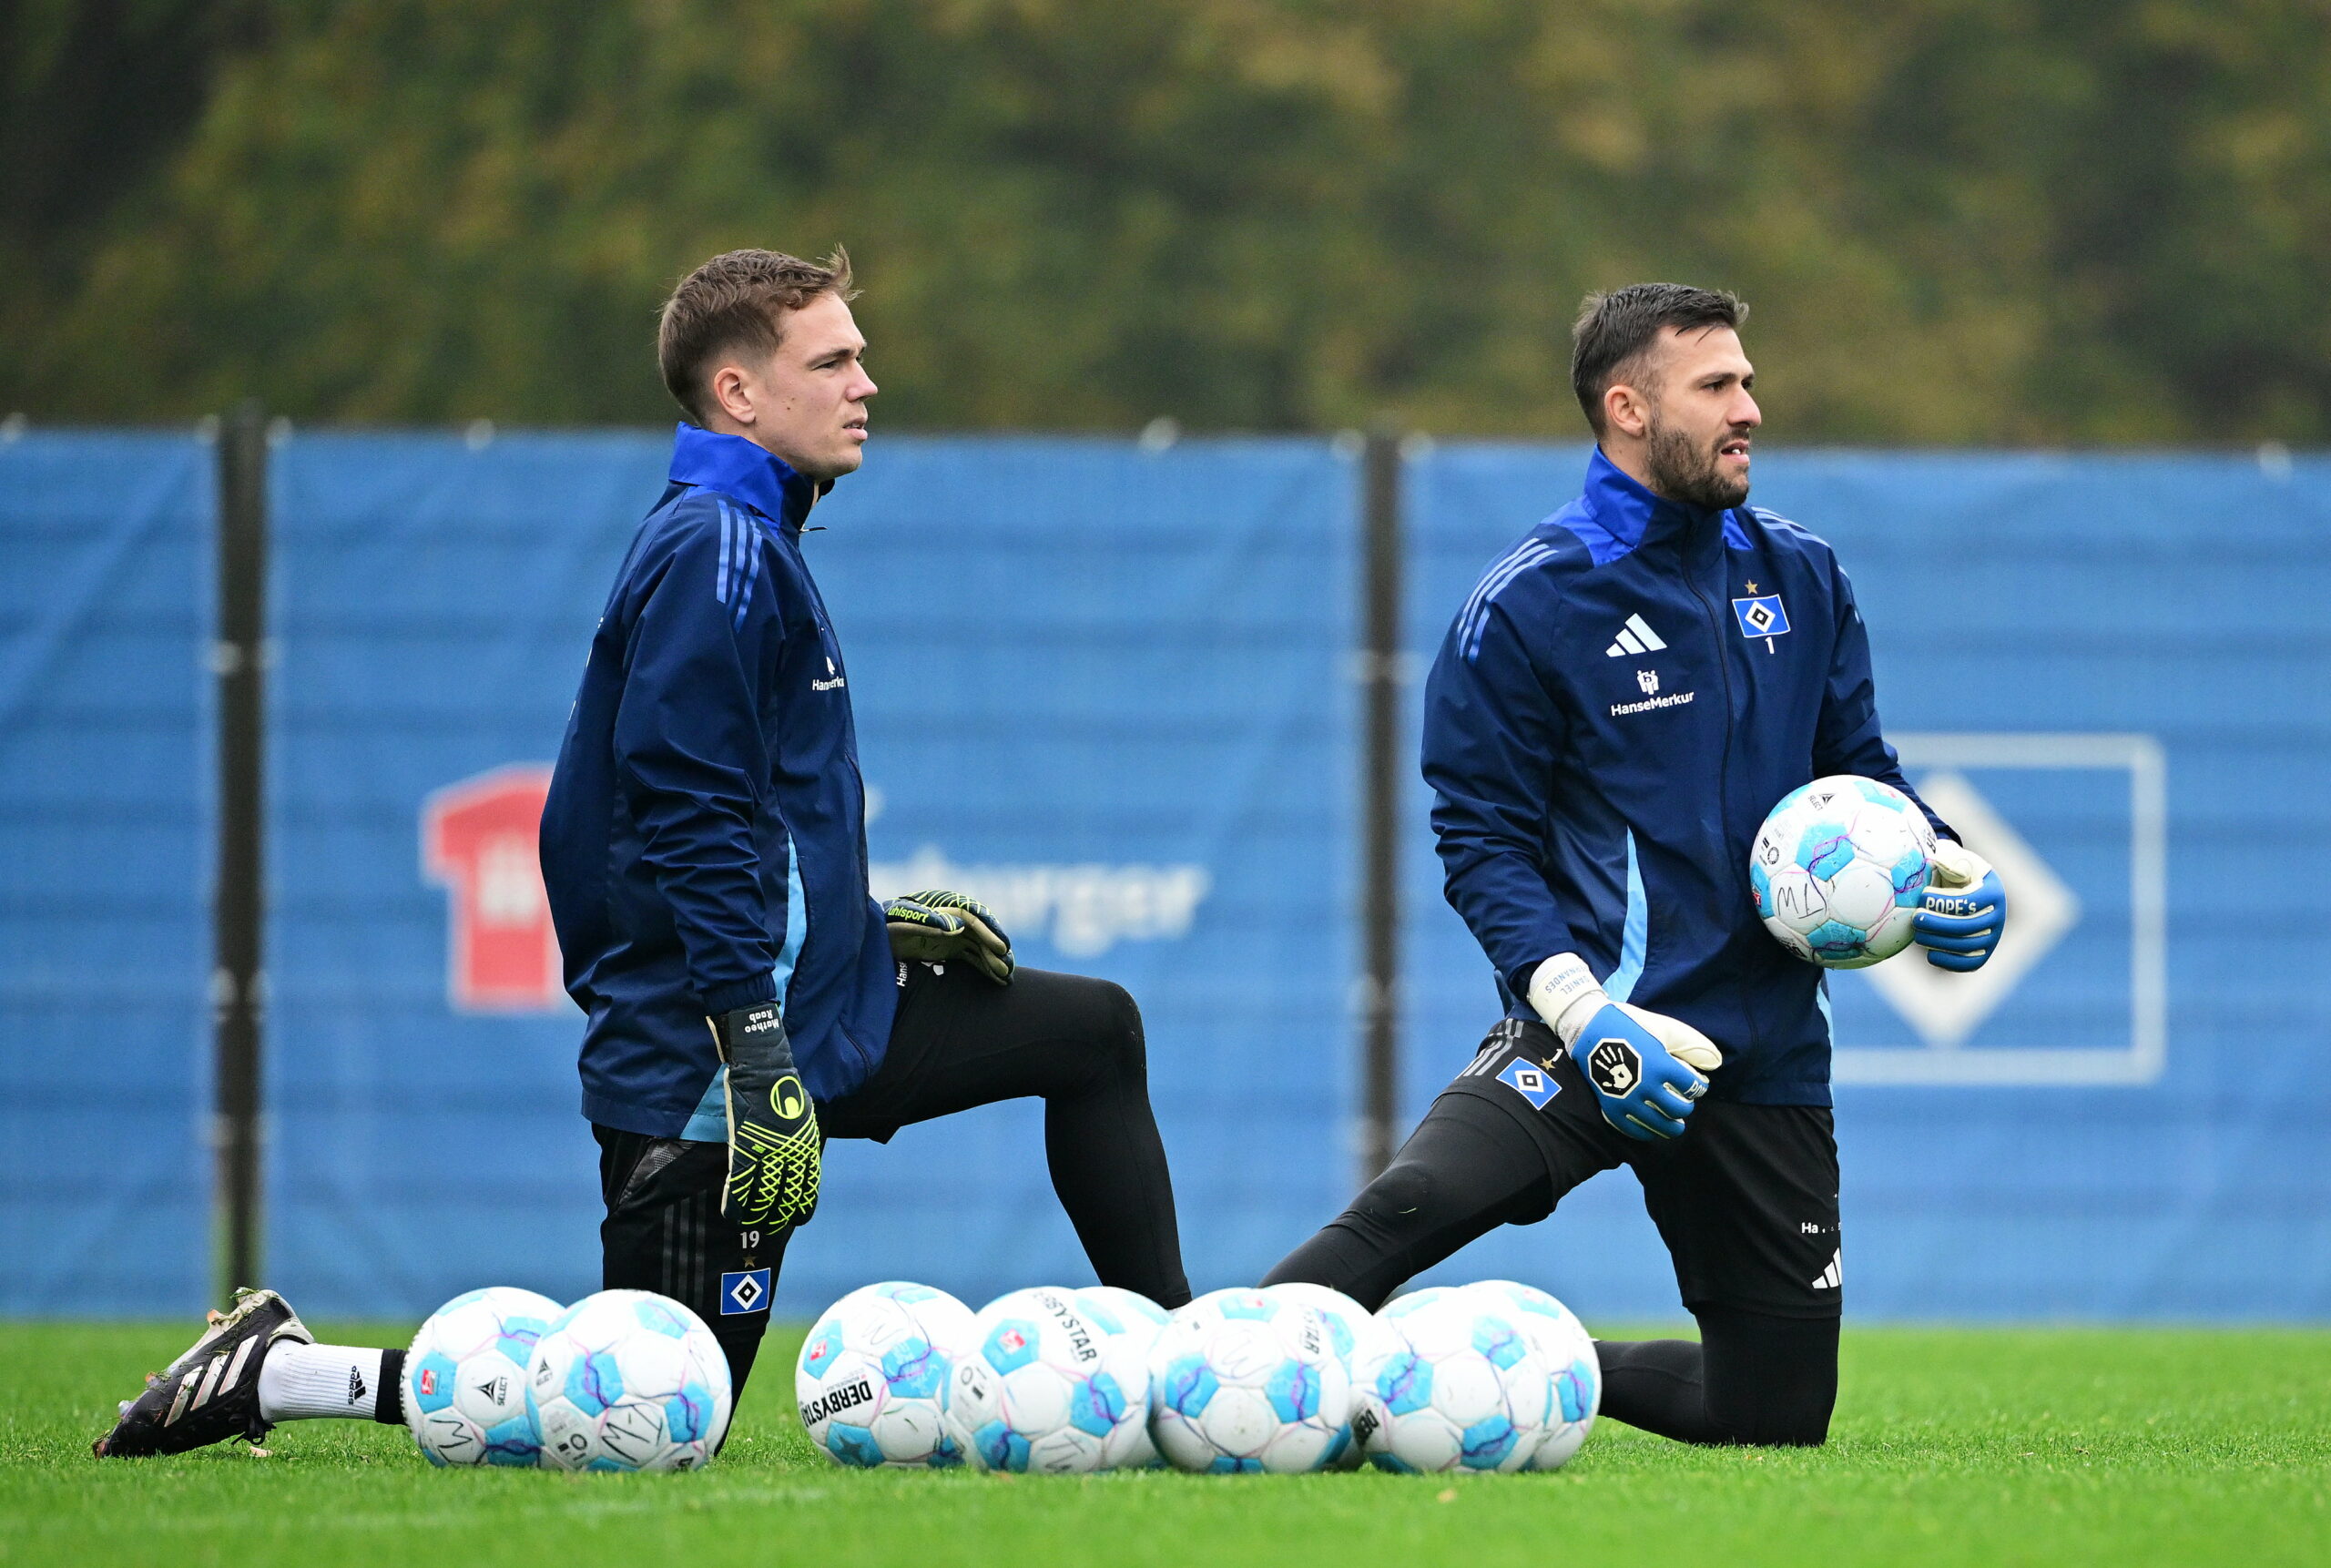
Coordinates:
(739, 1029)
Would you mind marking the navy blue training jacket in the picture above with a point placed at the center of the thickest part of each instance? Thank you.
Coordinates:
(704, 844)
(1624, 696)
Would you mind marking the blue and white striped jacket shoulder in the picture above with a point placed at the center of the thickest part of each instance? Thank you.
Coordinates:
(740, 557)
(1549, 552)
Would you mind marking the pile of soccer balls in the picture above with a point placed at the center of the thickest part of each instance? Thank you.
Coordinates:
(620, 1381)
(1494, 1377)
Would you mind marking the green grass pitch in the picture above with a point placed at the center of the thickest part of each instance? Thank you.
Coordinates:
(1980, 1447)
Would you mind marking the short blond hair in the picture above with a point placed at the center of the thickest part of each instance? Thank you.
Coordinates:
(737, 302)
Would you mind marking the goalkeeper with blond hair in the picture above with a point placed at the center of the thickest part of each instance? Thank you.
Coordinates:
(704, 849)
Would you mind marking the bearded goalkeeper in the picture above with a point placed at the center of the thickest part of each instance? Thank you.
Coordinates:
(1624, 696)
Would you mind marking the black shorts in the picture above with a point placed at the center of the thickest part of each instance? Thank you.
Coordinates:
(957, 1041)
(1746, 1199)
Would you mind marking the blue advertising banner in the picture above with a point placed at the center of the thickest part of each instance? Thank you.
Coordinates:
(105, 846)
(1109, 690)
(2113, 676)
(1099, 688)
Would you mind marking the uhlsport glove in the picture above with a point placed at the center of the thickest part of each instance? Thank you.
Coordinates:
(773, 1140)
(941, 927)
(1964, 912)
(1645, 1067)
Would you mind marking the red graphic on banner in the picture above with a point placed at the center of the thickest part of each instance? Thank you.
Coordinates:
(478, 839)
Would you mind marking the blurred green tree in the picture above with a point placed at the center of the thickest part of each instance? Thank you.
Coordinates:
(1957, 220)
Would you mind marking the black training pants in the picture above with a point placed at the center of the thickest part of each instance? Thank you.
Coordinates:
(958, 1040)
(1747, 1200)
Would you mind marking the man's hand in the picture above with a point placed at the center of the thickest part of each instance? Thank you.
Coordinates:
(1964, 912)
(773, 1140)
(941, 927)
(1645, 1067)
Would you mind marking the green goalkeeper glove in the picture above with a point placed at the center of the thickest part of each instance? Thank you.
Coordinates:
(940, 927)
(773, 1140)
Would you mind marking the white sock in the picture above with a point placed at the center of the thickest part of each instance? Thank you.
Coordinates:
(301, 1382)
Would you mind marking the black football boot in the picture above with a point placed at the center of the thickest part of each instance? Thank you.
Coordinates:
(211, 1394)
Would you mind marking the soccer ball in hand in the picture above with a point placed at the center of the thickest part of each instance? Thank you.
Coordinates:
(1465, 1390)
(1243, 1380)
(465, 1378)
(873, 1376)
(1044, 1388)
(1134, 1316)
(627, 1379)
(1567, 1350)
(1839, 869)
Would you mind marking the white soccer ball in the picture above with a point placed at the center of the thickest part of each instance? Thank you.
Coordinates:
(1246, 1380)
(1135, 1317)
(1465, 1391)
(465, 1378)
(1399, 1307)
(873, 1376)
(1839, 869)
(1044, 1388)
(1567, 1350)
(1128, 1308)
(1362, 1342)
(628, 1380)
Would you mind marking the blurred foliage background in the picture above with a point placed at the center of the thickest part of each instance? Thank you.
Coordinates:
(2021, 221)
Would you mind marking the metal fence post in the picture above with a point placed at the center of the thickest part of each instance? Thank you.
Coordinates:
(1382, 757)
(238, 983)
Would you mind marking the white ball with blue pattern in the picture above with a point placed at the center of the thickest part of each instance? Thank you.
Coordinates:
(1399, 1307)
(1361, 1342)
(1044, 1389)
(628, 1380)
(1567, 1350)
(465, 1378)
(1243, 1381)
(1135, 1317)
(1378, 1345)
(873, 1376)
(1839, 870)
(1465, 1388)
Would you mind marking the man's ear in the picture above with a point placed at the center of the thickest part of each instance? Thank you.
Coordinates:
(1626, 411)
(733, 394)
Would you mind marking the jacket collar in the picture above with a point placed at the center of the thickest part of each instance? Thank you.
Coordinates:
(736, 467)
(1631, 513)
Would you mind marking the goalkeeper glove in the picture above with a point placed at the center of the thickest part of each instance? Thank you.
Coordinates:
(1964, 911)
(1645, 1067)
(773, 1140)
(941, 927)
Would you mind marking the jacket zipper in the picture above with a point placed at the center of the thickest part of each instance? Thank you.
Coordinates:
(1724, 674)
(826, 636)
(865, 1057)
(1724, 761)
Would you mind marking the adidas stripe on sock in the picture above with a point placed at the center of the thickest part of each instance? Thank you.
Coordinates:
(307, 1383)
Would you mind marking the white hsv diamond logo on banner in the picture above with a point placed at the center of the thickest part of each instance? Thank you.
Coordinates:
(1946, 1008)
(2073, 969)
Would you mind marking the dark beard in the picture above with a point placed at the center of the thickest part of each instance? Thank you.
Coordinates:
(1683, 472)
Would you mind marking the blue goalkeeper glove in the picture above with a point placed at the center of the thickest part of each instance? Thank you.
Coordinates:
(1645, 1068)
(941, 927)
(1964, 912)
